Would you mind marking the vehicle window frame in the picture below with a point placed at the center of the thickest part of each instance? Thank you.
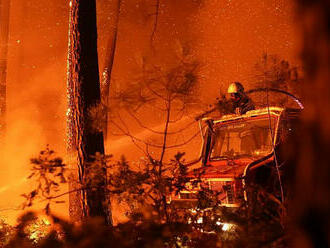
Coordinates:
(274, 139)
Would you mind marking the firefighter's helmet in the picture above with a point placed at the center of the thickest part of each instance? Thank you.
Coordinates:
(235, 87)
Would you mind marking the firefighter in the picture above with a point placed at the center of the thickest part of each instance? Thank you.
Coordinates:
(241, 103)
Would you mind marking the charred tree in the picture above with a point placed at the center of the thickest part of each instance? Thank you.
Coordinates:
(4, 32)
(83, 89)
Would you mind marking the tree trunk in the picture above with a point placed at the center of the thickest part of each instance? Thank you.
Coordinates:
(310, 148)
(109, 58)
(4, 32)
(83, 94)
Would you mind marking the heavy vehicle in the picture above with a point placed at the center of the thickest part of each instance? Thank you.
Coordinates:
(240, 153)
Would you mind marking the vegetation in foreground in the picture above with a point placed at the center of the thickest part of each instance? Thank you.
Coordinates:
(151, 221)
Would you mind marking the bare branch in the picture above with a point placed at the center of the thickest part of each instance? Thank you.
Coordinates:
(154, 145)
(152, 37)
(159, 132)
(168, 116)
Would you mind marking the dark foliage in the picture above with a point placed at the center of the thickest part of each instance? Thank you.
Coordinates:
(153, 222)
(49, 172)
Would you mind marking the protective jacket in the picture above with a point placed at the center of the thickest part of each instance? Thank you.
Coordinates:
(243, 105)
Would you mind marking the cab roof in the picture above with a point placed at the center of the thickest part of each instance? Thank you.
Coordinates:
(252, 113)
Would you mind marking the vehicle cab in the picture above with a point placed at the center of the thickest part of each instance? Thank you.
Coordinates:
(238, 151)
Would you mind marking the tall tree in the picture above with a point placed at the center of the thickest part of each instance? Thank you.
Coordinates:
(83, 89)
(109, 58)
(170, 91)
(310, 148)
(4, 32)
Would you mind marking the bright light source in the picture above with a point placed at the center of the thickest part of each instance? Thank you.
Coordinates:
(193, 211)
(227, 227)
(46, 221)
(68, 112)
(200, 220)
